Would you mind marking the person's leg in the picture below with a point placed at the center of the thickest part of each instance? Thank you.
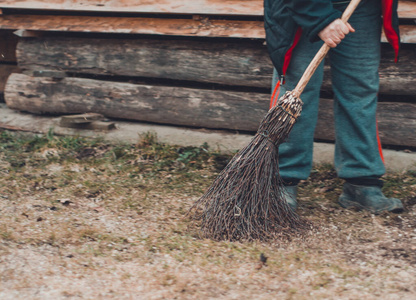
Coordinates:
(355, 79)
(295, 155)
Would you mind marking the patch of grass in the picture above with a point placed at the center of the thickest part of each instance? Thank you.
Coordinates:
(6, 234)
(400, 185)
(87, 204)
(321, 280)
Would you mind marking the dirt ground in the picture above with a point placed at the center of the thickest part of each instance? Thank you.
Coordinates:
(85, 219)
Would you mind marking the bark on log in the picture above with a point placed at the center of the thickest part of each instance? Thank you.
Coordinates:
(224, 7)
(406, 9)
(166, 105)
(229, 63)
(198, 27)
(183, 106)
(239, 63)
(5, 71)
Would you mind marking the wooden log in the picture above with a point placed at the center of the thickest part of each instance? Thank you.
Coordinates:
(238, 63)
(5, 71)
(80, 119)
(201, 27)
(183, 106)
(225, 7)
(397, 123)
(229, 63)
(407, 9)
(166, 105)
(88, 121)
(23, 33)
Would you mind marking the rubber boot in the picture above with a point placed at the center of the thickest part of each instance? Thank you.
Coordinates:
(369, 198)
(290, 194)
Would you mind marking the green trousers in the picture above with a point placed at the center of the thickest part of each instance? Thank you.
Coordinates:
(355, 82)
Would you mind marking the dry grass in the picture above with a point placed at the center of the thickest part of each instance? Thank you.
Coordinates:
(89, 220)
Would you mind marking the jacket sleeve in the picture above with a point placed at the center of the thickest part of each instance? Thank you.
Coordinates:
(312, 15)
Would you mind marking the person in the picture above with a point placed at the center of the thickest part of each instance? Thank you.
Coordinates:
(295, 30)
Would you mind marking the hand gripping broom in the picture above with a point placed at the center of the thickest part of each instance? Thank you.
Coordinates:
(247, 200)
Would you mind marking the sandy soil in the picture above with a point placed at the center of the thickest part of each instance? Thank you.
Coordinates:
(97, 224)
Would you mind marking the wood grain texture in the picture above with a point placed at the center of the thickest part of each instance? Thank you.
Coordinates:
(217, 7)
(230, 63)
(183, 106)
(5, 71)
(199, 27)
(165, 105)
(239, 63)
(407, 9)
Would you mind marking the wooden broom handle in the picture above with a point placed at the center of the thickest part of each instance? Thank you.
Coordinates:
(321, 53)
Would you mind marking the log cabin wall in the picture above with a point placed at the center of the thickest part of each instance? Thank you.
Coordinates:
(200, 63)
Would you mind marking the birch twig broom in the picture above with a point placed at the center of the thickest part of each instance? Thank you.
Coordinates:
(247, 199)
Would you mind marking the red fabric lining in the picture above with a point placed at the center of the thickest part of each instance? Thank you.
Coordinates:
(288, 56)
(380, 149)
(289, 52)
(275, 95)
(391, 35)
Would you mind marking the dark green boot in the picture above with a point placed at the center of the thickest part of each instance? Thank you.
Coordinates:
(369, 198)
(290, 193)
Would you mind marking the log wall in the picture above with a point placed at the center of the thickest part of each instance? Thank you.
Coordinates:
(194, 107)
(173, 63)
(238, 63)
(202, 7)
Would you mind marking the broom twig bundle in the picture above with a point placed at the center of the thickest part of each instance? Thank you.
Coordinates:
(247, 199)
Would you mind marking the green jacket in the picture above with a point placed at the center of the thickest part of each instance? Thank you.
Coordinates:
(285, 19)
